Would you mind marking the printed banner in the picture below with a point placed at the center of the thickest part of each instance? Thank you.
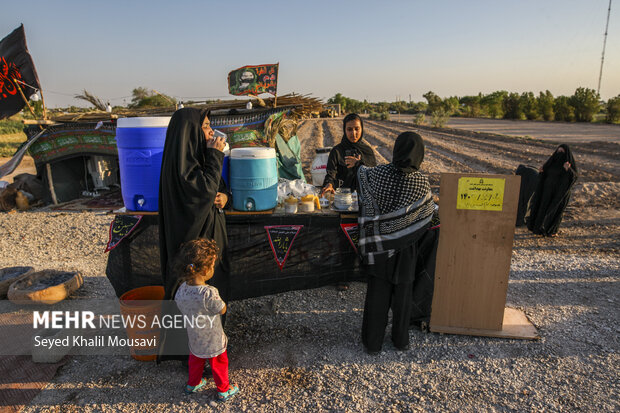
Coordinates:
(353, 234)
(72, 139)
(15, 65)
(122, 226)
(483, 194)
(253, 80)
(281, 239)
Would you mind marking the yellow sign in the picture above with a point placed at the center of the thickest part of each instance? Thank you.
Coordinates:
(483, 194)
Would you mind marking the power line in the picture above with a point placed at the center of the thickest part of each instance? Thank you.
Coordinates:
(600, 75)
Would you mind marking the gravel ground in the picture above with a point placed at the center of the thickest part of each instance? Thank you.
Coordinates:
(300, 351)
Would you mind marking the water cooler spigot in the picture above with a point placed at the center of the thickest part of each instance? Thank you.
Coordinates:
(249, 205)
(140, 201)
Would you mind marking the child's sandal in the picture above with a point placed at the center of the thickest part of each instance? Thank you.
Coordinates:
(193, 389)
(223, 396)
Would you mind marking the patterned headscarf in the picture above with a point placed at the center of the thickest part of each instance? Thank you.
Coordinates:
(395, 204)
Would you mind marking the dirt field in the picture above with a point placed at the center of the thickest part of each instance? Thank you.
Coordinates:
(562, 132)
(465, 151)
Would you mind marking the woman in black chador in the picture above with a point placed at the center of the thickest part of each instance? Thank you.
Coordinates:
(345, 159)
(191, 198)
(555, 181)
(396, 212)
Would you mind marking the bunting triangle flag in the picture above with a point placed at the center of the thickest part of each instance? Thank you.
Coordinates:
(122, 226)
(281, 239)
(352, 233)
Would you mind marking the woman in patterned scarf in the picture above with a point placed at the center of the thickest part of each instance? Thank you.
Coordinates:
(396, 211)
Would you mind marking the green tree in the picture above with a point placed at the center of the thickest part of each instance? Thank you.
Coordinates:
(451, 105)
(419, 107)
(585, 103)
(613, 110)
(471, 106)
(512, 106)
(529, 104)
(493, 103)
(339, 99)
(143, 97)
(563, 109)
(545, 105)
(434, 102)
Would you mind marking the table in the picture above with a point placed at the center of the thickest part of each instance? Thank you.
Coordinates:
(320, 255)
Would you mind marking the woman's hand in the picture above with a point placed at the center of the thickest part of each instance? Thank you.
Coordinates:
(328, 188)
(350, 161)
(567, 165)
(220, 200)
(216, 142)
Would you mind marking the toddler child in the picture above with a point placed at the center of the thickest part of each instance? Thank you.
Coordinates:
(195, 264)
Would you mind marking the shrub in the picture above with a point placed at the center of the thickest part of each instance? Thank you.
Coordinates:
(613, 110)
(419, 119)
(439, 118)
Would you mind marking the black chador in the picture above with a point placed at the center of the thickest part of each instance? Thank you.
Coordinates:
(552, 193)
(189, 182)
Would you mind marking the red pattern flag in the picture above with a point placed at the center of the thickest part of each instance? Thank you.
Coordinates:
(16, 67)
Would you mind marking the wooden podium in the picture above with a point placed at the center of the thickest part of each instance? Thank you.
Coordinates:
(478, 214)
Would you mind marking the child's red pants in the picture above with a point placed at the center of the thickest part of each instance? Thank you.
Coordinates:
(219, 367)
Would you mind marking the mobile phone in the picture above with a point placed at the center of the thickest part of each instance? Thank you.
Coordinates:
(350, 152)
(219, 134)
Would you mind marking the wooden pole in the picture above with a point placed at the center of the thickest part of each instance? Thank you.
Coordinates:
(24, 97)
(50, 183)
(43, 103)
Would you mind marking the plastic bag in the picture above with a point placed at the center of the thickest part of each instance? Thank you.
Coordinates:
(297, 188)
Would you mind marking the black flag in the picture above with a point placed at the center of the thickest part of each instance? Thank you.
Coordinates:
(15, 65)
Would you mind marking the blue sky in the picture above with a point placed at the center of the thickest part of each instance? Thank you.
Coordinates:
(377, 50)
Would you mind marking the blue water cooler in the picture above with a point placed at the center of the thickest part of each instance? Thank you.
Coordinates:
(253, 178)
(140, 143)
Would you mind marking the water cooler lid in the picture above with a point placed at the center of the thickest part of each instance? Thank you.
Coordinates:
(323, 150)
(144, 122)
(252, 153)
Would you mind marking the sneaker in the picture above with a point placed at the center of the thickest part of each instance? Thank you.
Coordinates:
(193, 389)
(223, 396)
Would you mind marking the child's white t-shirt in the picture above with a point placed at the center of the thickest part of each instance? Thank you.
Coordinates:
(206, 336)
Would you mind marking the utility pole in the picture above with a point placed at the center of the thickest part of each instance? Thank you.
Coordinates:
(600, 75)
